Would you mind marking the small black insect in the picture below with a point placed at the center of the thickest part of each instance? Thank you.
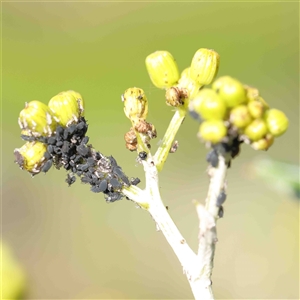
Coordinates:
(59, 131)
(98, 155)
(90, 161)
(118, 171)
(112, 197)
(82, 150)
(59, 143)
(57, 150)
(47, 165)
(79, 173)
(221, 199)
(27, 138)
(143, 155)
(66, 147)
(47, 155)
(221, 212)
(99, 188)
(194, 115)
(77, 159)
(52, 140)
(82, 167)
(43, 139)
(71, 129)
(86, 179)
(50, 149)
(115, 183)
(66, 134)
(135, 181)
(70, 179)
(67, 166)
(113, 161)
(235, 147)
(85, 140)
(212, 158)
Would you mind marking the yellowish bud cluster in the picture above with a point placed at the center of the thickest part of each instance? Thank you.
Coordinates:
(39, 121)
(136, 110)
(232, 108)
(163, 72)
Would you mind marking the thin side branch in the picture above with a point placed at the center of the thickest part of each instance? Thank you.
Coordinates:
(166, 144)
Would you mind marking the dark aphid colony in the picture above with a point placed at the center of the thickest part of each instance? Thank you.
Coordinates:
(67, 147)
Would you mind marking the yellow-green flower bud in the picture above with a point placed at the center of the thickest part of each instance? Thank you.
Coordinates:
(80, 102)
(205, 66)
(277, 121)
(212, 131)
(256, 130)
(30, 156)
(211, 107)
(256, 109)
(135, 104)
(240, 116)
(232, 92)
(264, 143)
(218, 83)
(162, 69)
(188, 83)
(37, 119)
(65, 108)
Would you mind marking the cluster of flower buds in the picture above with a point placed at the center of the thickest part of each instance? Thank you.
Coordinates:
(56, 135)
(136, 110)
(232, 110)
(163, 71)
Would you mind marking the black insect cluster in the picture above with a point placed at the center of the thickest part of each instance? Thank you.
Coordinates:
(68, 148)
(229, 150)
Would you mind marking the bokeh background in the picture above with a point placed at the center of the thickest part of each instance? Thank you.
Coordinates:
(70, 243)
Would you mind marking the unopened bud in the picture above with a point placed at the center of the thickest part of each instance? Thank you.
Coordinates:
(65, 108)
(256, 109)
(209, 105)
(231, 91)
(240, 116)
(212, 131)
(277, 121)
(30, 156)
(264, 143)
(256, 130)
(135, 104)
(37, 119)
(162, 69)
(204, 66)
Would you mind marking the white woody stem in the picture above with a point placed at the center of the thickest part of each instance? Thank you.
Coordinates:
(208, 216)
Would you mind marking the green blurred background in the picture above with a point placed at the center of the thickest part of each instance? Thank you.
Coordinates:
(72, 244)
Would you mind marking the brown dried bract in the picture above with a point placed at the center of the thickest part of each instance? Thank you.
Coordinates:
(147, 128)
(130, 136)
(131, 147)
(175, 96)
